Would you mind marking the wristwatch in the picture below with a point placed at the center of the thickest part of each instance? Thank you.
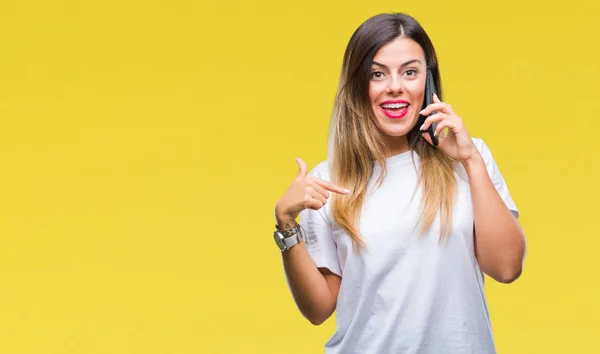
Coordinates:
(287, 239)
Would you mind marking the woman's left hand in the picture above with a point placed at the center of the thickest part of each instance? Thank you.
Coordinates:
(457, 144)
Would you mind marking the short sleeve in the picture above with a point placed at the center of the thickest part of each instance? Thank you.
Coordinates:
(319, 236)
(496, 176)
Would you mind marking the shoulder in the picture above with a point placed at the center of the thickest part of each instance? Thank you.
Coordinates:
(483, 149)
(488, 158)
(479, 143)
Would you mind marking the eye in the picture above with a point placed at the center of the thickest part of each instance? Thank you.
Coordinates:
(411, 72)
(377, 75)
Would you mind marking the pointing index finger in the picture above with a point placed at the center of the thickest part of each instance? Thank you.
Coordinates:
(332, 187)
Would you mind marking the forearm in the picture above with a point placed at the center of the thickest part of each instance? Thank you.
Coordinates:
(500, 242)
(313, 295)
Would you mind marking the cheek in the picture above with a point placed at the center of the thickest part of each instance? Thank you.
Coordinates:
(415, 88)
(419, 90)
(375, 90)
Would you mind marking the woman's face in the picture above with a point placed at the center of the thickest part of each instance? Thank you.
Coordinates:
(396, 86)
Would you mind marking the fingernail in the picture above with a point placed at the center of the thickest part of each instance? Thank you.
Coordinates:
(423, 110)
(435, 133)
(346, 191)
(422, 126)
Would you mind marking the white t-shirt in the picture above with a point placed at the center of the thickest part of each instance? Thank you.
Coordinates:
(406, 294)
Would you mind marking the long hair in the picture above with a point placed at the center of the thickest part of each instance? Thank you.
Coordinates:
(356, 144)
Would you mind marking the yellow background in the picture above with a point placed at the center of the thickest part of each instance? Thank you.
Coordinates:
(143, 145)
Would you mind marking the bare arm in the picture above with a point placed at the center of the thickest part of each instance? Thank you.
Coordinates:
(499, 240)
(315, 290)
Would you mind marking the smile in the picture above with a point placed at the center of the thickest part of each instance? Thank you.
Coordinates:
(394, 109)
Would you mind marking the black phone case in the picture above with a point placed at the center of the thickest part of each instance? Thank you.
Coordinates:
(429, 91)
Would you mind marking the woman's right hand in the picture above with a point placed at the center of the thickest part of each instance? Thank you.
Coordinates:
(306, 192)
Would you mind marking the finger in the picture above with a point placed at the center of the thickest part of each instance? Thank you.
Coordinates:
(432, 107)
(442, 125)
(436, 99)
(437, 106)
(321, 191)
(438, 117)
(318, 196)
(313, 203)
(301, 168)
(331, 187)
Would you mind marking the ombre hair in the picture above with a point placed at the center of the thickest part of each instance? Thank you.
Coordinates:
(356, 144)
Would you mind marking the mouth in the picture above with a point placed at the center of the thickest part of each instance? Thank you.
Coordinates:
(395, 109)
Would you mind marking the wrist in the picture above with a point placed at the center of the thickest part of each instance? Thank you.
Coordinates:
(476, 160)
(285, 223)
(284, 220)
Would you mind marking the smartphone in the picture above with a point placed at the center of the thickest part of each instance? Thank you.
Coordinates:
(430, 89)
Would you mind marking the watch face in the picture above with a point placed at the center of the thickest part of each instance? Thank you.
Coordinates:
(279, 240)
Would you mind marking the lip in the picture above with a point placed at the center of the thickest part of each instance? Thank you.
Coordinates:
(398, 115)
(394, 101)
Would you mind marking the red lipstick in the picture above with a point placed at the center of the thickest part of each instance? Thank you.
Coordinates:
(395, 109)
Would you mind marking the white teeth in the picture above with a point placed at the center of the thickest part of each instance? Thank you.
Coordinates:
(394, 105)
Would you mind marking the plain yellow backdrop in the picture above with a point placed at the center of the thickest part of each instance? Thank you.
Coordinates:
(143, 145)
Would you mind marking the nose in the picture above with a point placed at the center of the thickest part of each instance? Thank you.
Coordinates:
(395, 86)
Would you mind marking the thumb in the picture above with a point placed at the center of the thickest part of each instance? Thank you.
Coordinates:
(302, 168)
(436, 99)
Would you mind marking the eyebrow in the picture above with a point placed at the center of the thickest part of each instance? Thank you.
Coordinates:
(403, 64)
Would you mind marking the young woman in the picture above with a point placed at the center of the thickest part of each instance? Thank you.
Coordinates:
(396, 233)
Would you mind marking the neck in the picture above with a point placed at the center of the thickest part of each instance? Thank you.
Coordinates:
(397, 145)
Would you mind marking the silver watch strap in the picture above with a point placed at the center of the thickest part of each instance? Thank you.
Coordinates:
(285, 243)
(291, 241)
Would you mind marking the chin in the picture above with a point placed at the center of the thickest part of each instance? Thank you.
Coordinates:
(396, 131)
(396, 134)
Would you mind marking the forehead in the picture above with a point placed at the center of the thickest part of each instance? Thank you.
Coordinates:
(398, 51)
